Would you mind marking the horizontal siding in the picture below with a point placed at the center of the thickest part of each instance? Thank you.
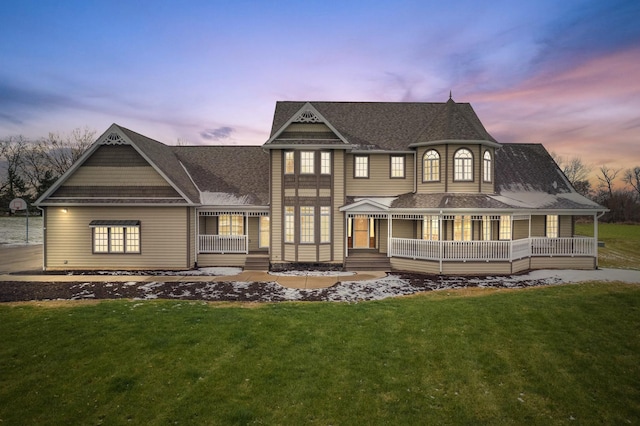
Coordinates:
(324, 253)
(520, 229)
(116, 176)
(289, 253)
(403, 228)
(422, 266)
(337, 217)
(566, 226)
(520, 265)
(276, 206)
(562, 262)
(253, 232)
(379, 182)
(308, 127)
(538, 226)
(164, 236)
(383, 240)
(473, 268)
(208, 260)
(307, 253)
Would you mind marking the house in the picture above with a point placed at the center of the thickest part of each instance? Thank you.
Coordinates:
(393, 185)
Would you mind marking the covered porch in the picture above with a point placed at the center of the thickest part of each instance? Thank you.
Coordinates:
(232, 237)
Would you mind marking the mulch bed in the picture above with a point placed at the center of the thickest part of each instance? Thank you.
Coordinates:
(350, 291)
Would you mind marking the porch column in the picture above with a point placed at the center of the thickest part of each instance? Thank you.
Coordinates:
(389, 233)
(245, 219)
(595, 237)
(346, 235)
(440, 238)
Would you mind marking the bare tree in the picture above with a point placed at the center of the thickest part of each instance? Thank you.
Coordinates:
(632, 178)
(11, 154)
(576, 172)
(63, 151)
(606, 178)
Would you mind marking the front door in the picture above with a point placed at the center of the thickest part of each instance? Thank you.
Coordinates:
(360, 232)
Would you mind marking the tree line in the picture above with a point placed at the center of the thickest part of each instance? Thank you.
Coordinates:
(28, 167)
(623, 201)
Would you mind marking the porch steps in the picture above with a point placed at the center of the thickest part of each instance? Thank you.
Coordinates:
(257, 262)
(367, 260)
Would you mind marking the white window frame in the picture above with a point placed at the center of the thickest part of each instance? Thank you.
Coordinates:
(397, 167)
(486, 228)
(361, 166)
(325, 224)
(307, 162)
(289, 162)
(462, 228)
(486, 161)
(307, 225)
(463, 165)
(230, 225)
(505, 228)
(325, 163)
(116, 239)
(431, 166)
(289, 224)
(552, 226)
(264, 231)
(431, 228)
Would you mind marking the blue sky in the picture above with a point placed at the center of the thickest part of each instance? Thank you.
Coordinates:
(561, 73)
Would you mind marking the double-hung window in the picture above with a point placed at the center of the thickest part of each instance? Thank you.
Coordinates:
(462, 228)
(116, 236)
(431, 166)
(431, 228)
(289, 162)
(289, 224)
(552, 226)
(505, 227)
(486, 161)
(325, 163)
(397, 166)
(325, 224)
(463, 165)
(307, 162)
(230, 225)
(264, 225)
(307, 225)
(361, 166)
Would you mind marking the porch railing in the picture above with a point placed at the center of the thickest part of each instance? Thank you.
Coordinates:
(223, 244)
(490, 250)
(578, 246)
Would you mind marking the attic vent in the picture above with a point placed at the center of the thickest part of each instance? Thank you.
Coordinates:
(114, 139)
(307, 117)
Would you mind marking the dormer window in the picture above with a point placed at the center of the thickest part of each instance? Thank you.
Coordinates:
(486, 161)
(431, 166)
(463, 165)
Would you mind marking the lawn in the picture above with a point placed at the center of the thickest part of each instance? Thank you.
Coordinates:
(621, 244)
(565, 354)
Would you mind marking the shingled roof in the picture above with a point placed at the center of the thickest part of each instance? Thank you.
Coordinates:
(228, 174)
(391, 126)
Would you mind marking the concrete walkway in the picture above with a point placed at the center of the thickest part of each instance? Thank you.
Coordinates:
(29, 258)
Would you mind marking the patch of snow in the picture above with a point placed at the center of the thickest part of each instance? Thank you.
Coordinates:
(13, 230)
(224, 199)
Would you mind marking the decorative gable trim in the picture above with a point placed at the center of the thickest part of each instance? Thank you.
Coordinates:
(114, 138)
(307, 114)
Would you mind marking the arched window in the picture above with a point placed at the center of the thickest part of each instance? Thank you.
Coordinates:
(431, 166)
(487, 166)
(463, 165)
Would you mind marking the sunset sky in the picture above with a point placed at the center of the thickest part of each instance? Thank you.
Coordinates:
(562, 73)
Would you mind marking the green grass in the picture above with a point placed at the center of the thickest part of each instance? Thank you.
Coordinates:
(556, 355)
(622, 244)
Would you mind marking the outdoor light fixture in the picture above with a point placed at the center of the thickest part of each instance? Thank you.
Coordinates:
(65, 210)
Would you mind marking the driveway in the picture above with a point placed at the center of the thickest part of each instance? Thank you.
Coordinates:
(20, 258)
